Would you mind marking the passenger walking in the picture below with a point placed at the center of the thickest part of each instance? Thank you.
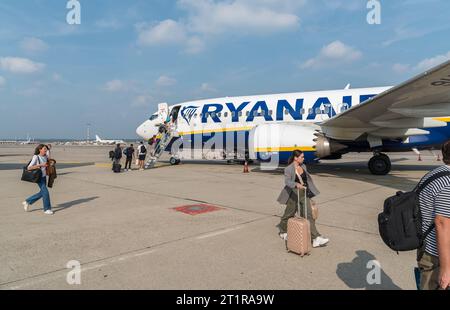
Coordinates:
(40, 161)
(142, 152)
(129, 153)
(434, 258)
(297, 178)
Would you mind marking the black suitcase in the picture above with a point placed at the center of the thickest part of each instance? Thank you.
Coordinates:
(117, 168)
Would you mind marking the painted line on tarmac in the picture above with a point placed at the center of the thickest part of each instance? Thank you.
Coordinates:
(106, 261)
(218, 233)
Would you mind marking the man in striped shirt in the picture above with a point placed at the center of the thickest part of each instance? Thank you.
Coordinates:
(434, 258)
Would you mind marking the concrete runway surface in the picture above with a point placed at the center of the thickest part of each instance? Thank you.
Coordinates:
(125, 233)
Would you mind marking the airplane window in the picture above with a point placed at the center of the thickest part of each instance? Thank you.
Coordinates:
(327, 110)
(153, 117)
(318, 111)
(310, 111)
(255, 113)
(219, 114)
(233, 114)
(195, 115)
(225, 114)
(240, 113)
(286, 112)
(213, 114)
(248, 113)
(302, 111)
(270, 112)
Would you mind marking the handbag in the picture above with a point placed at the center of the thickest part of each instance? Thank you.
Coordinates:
(33, 176)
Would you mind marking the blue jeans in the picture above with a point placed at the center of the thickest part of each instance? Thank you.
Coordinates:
(44, 194)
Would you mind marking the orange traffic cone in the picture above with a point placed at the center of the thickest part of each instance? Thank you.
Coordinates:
(246, 167)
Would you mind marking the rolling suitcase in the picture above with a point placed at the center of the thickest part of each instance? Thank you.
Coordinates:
(117, 168)
(299, 232)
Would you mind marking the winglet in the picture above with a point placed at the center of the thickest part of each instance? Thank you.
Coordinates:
(348, 86)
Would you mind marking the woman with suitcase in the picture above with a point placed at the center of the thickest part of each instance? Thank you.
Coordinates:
(299, 182)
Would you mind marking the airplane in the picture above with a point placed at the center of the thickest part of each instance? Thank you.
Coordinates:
(109, 142)
(322, 124)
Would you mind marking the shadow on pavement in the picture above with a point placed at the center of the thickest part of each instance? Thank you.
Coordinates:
(356, 273)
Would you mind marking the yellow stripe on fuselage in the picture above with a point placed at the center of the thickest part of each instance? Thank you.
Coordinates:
(285, 149)
(185, 133)
(442, 119)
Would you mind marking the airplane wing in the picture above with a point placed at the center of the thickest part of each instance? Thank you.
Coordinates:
(399, 112)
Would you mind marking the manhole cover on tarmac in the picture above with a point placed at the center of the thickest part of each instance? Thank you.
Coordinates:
(197, 209)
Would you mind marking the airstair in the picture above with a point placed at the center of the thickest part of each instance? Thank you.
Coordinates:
(160, 148)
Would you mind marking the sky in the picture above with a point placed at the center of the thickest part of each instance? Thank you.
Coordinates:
(125, 57)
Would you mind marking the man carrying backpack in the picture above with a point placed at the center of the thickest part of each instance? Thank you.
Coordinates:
(142, 153)
(129, 153)
(434, 256)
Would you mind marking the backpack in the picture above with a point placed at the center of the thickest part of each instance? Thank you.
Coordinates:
(400, 223)
(112, 154)
(143, 149)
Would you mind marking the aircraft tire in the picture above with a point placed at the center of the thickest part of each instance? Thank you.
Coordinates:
(173, 161)
(380, 164)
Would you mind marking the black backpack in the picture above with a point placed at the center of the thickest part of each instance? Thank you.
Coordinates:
(400, 223)
(143, 149)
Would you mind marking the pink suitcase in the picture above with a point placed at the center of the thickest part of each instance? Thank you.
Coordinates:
(299, 232)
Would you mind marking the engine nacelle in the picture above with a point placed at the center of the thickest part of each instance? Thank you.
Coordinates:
(269, 140)
(327, 148)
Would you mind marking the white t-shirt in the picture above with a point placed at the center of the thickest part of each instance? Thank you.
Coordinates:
(141, 148)
(38, 159)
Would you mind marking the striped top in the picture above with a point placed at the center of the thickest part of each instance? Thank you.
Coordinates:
(434, 200)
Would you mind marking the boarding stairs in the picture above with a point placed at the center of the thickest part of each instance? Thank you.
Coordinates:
(160, 148)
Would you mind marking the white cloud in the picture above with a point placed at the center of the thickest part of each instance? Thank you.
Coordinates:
(108, 24)
(165, 32)
(56, 77)
(2, 81)
(20, 65)
(210, 18)
(142, 101)
(429, 63)
(33, 45)
(165, 80)
(207, 88)
(422, 66)
(240, 16)
(117, 86)
(333, 54)
(401, 68)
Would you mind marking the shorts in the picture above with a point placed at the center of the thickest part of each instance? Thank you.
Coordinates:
(142, 157)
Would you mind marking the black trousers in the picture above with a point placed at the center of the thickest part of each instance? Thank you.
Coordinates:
(128, 162)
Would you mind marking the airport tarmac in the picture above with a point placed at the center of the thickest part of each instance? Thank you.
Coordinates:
(124, 231)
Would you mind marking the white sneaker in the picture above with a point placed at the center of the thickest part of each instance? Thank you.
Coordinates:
(283, 236)
(316, 243)
(49, 212)
(320, 242)
(26, 206)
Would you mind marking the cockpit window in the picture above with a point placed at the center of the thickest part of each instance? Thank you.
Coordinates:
(153, 117)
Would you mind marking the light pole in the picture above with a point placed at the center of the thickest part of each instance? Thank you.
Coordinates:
(88, 132)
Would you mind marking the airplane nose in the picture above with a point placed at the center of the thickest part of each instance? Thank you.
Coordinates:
(141, 131)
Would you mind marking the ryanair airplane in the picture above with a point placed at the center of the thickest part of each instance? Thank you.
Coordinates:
(323, 124)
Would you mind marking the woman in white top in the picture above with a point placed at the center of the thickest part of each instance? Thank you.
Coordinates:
(40, 161)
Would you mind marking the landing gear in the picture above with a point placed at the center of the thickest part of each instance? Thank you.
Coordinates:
(380, 164)
(174, 161)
